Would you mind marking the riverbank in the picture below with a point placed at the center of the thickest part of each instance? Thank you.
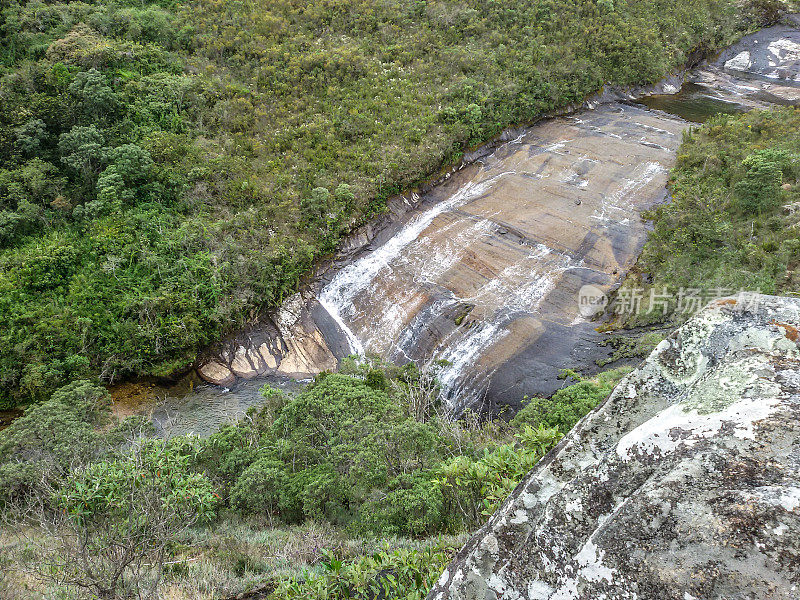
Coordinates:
(409, 295)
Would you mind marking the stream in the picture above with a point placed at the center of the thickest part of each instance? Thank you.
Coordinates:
(485, 274)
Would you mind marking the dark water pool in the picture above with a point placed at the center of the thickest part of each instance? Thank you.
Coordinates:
(205, 408)
(693, 102)
(6, 416)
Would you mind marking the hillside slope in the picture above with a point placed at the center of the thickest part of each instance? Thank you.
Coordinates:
(168, 170)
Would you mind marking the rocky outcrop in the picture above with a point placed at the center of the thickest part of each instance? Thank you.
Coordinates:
(518, 234)
(217, 373)
(684, 484)
(299, 343)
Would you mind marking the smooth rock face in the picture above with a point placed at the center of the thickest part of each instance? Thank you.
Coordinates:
(292, 346)
(684, 484)
(760, 70)
(216, 373)
(507, 243)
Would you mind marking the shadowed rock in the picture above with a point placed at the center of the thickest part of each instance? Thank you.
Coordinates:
(684, 484)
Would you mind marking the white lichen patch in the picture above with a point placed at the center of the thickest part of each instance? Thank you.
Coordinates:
(590, 558)
(490, 544)
(520, 516)
(589, 568)
(780, 529)
(539, 590)
(500, 587)
(690, 362)
(730, 383)
(772, 341)
(741, 401)
(740, 62)
(788, 498)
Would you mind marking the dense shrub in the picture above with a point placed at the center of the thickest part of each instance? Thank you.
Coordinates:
(329, 448)
(51, 439)
(569, 404)
(759, 189)
(730, 226)
(356, 451)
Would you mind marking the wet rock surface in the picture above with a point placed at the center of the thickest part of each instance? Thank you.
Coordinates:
(684, 484)
(762, 70)
(507, 238)
(484, 269)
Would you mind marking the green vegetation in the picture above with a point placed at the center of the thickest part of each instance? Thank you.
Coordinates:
(631, 347)
(403, 574)
(733, 221)
(569, 404)
(170, 170)
(104, 510)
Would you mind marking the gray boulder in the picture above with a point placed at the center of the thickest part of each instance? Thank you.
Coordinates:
(684, 484)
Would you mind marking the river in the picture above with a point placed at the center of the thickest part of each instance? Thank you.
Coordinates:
(485, 273)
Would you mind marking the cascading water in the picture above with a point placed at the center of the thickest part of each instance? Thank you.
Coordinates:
(359, 277)
(518, 289)
(487, 279)
(378, 302)
(481, 275)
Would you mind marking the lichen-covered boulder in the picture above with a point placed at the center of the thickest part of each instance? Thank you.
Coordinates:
(684, 484)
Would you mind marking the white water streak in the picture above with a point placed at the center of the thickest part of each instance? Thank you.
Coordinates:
(610, 204)
(337, 297)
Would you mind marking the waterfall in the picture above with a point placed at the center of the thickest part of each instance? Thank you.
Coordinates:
(370, 298)
(354, 344)
(519, 288)
(359, 276)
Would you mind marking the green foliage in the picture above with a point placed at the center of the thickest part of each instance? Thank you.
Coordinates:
(82, 149)
(400, 574)
(348, 451)
(120, 496)
(726, 227)
(30, 136)
(328, 449)
(759, 189)
(52, 438)
(356, 451)
(196, 159)
(636, 346)
(478, 485)
(568, 405)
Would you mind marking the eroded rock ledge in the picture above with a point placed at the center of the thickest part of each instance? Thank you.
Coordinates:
(294, 344)
(684, 484)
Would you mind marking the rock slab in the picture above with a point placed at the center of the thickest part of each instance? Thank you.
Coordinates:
(684, 484)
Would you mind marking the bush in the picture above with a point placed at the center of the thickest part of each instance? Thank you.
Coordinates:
(328, 449)
(109, 523)
(759, 189)
(401, 574)
(568, 405)
(50, 439)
